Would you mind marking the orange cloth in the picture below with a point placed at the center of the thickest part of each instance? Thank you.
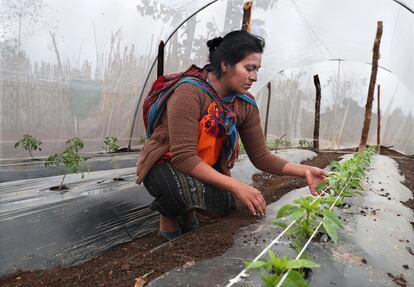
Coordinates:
(210, 137)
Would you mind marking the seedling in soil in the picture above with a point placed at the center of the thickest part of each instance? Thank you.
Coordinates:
(142, 140)
(69, 158)
(276, 267)
(308, 214)
(111, 144)
(29, 143)
(346, 177)
(115, 166)
(305, 143)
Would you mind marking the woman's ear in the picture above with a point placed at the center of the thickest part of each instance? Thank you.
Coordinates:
(225, 67)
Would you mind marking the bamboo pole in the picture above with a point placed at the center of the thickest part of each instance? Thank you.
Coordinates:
(370, 98)
(317, 112)
(379, 120)
(160, 59)
(269, 88)
(247, 16)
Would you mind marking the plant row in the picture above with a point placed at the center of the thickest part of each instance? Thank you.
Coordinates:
(307, 214)
(30, 143)
(69, 158)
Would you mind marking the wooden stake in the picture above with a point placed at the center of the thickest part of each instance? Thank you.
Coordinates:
(247, 16)
(370, 98)
(317, 112)
(160, 59)
(379, 120)
(269, 88)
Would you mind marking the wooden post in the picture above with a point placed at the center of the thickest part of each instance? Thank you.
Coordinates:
(247, 16)
(160, 59)
(379, 120)
(269, 88)
(370, 98)
(317, 112)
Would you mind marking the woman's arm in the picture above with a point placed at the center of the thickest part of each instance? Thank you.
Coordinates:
(253, 139)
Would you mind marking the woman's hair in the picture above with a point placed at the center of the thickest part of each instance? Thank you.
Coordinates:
(233, 48)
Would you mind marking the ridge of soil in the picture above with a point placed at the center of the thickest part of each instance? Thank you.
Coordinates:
(121, 265)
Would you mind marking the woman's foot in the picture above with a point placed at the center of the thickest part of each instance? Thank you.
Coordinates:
(169, 228)
(190, 221)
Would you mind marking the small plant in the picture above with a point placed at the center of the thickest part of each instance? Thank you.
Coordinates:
(69, 158)
(29, 143)
(308, 214)
(111, 144)
(75, 144)
(276, 267)
(305, 143)
(275, 144)
(115, 165)
(142, 140)
(346, 177)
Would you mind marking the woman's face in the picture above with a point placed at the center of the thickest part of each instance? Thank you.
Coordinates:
(240, 77)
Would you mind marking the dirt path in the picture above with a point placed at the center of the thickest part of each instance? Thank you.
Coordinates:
(121, 265)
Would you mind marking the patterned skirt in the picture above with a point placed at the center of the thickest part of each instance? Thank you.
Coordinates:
(176, 193)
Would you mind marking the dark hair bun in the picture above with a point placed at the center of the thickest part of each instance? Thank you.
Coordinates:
(214, 43)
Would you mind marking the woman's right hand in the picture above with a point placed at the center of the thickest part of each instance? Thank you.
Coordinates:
(250, 197)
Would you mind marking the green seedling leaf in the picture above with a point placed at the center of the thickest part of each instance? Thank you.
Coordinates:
(283, 210)
(295, 279)
(330, 215)
(330, 229)
(280, 224)
(270, 280)
(257, 264)
(301, 263)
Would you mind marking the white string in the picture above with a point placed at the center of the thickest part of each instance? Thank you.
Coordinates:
(243, 272)
(310, 238)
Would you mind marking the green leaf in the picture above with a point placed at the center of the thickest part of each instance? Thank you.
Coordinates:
(330, 229)
(280, 224)
(277, 264)
(270, 280)
(295, 279)
(298, 213)
(283, 210)
(257, 264)
(329, 214)
(301, 263)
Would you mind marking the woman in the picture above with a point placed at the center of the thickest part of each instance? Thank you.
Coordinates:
(194, 138)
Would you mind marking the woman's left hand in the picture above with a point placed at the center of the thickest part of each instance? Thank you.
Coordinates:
(314, 176)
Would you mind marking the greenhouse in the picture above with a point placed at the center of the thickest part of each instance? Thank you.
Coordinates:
(335, 95)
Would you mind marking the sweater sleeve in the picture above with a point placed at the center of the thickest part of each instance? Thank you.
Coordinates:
(183, 113)
(252, 137)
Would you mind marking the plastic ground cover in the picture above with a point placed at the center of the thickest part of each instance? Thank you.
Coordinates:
(19, 170)
(375, 245)
(41, 228)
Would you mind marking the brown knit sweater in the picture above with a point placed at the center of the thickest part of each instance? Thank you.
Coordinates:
(177, 132)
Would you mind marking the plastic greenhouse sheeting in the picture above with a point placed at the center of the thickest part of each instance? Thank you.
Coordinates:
(77, 69)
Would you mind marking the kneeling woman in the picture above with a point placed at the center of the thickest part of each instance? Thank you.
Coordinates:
(194, 128)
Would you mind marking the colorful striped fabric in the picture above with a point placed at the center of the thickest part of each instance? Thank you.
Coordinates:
(155, 103)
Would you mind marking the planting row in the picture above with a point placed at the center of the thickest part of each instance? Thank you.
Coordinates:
(69, 158)
(307, 216)
(30, 143)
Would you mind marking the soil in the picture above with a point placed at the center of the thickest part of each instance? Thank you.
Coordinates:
(123, 264)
